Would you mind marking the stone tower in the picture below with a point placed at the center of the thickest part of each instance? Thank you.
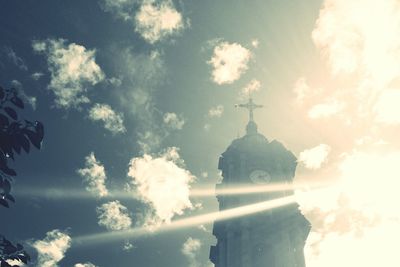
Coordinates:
(273, 238)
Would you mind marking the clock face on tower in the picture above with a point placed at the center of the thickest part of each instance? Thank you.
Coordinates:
(260, 177)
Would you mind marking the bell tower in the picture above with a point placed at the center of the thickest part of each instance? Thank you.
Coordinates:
(273, 238)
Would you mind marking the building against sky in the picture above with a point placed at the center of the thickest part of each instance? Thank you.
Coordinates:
(114, 84)
(275, 237)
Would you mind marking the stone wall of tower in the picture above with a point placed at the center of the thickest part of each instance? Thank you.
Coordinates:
(273, 238)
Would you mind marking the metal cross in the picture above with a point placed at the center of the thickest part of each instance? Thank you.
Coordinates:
(250, 106)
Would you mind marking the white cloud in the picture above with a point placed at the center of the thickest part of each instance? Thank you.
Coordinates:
(173, 121)
(301, 89)
(113, 121)
(36, 75)
(162, 184)
(154, 20)
(73, 68)
(353, 41)
(143, 70)
(369, 248)
(356, 220)
(314, 157)
(16, 60)
(253, 86)
(121, 8)
(362, 48)
(158, 20)
(114, 81)
(149, 140)
(52, 248)
(204, 174)
(39, 46)
(87, 264)
(229, 62)
(255, 43)
(387, 107)
(190, 249)
(143, 73)
(203, 228)
(324, 110)
(94, 175)
(216, 111)
(128, 246)
(359, 172)
(114, 216)
(361, 228)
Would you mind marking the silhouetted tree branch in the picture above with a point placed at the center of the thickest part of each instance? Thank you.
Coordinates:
(10, 253)
(15, 135)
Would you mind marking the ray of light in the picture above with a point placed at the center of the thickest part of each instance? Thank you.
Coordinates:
(205, 191)
(187, 222)
(243, 189)
(69, 193)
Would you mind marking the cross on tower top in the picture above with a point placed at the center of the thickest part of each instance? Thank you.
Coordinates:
(251, 126)
(250, 106)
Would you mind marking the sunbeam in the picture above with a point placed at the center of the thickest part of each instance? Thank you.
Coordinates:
(187, 222)
(204, 191)
(244, 189)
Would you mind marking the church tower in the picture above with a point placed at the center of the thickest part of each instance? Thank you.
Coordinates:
(275, 237)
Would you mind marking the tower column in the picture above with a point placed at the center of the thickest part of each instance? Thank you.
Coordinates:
(275, 237)
(245, 239)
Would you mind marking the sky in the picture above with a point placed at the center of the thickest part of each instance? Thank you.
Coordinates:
(138, 101)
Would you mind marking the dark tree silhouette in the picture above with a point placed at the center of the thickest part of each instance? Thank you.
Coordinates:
(10, 252)
(15, 135)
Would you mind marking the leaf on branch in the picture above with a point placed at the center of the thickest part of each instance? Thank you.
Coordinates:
(6, 186)
(33, 137)
(2, 92)
(39, 130)
(17, 102)
(16, 144)
(24, 142)
(3, 161)
(10, 197)
(11, 112)
(4, 203)
(3, 120)
(9, 171)
(5, 264)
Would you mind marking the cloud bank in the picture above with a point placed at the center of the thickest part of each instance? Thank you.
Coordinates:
(364, 50)
(352, 220)
(325, 109)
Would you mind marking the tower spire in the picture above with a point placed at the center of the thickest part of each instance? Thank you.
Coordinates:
(251, 106)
